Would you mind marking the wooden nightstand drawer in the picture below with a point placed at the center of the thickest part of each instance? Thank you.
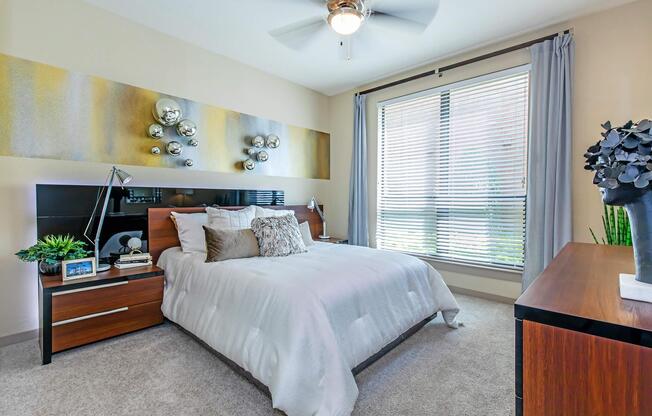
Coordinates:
(81, 302)
(84, 330)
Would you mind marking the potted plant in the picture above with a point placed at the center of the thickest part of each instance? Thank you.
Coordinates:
(52, 250)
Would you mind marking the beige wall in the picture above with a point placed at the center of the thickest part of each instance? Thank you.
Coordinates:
(606, 87)
(612, 82)
(74, 35)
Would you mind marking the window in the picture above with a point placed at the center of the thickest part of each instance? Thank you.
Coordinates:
(452, 171)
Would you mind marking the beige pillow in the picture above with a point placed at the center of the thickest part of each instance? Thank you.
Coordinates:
(229, 219)
(225, 244)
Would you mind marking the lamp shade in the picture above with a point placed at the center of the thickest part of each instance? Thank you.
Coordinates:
(123, 176)
(345, 20)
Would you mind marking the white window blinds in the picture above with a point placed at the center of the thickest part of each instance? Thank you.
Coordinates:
(452, 171)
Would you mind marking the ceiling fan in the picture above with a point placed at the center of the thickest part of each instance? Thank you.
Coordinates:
(347, 17)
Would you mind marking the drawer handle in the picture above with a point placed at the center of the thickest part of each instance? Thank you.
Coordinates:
(93, 315)
(84, 289)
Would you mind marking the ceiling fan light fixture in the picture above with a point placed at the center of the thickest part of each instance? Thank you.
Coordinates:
(345, 20)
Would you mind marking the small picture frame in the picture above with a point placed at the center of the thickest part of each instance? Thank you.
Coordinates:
(78, 269)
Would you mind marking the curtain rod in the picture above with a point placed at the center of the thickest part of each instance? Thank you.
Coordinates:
(439, 71)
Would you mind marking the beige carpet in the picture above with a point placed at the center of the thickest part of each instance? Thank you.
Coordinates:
(161, 371)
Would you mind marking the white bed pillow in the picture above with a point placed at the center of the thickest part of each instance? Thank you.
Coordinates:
(190, 231)
(268, 212)
(304, 227)
(231, 220)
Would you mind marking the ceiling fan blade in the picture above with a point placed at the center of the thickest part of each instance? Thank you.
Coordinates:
(419, 12)
(298, 35)
(394, 6)
(398, 23)
(320, 3)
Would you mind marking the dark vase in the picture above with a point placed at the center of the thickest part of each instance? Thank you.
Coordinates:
(640, 216)
(49, 269)
(638, 203)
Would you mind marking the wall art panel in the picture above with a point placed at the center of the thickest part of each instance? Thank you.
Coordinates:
(47, 112)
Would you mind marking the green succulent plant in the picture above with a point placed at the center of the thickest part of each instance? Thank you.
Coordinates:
(53, 249)
(617, 229)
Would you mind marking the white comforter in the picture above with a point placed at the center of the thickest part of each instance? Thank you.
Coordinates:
(299, 324)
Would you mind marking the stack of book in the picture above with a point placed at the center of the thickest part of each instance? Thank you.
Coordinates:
(128, 261)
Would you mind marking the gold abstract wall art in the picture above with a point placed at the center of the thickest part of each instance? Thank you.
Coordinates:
(51, 113)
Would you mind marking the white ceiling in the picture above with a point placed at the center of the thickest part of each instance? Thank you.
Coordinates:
(239, 30)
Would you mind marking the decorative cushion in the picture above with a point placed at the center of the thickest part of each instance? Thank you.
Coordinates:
(231, 220)
(306, 235)
(189, 229)
(268, 212)
(222, 244)
(278, 236)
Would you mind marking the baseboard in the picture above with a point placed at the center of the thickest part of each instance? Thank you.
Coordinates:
(482, 295)
(19, 337)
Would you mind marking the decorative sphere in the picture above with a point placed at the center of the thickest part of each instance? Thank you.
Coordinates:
(134, 243)
(186, 128)
(262, 156)
(156, 150)
(155, 131)
(193, 142)
(174, 148)
(249, 164)
(258, 141)
(167, 112)
(251, 151)
(273, 141)
(189, 162)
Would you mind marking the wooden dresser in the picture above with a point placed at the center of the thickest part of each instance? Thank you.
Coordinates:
(115, 302)
(580, 348)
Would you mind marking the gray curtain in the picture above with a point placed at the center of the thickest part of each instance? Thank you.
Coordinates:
(358, 222)
(548, 223)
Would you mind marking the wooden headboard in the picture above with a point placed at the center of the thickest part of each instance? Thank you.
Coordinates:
(162, 234)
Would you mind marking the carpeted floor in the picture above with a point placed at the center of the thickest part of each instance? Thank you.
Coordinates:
(162, 371)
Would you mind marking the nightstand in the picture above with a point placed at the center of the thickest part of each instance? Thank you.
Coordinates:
(79, 312)
(333, 240)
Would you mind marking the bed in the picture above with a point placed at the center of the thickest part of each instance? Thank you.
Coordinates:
(300, 325)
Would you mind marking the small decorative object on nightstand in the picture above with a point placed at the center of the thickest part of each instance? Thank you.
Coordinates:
(334, 240)
(78, 312)
(78, 269)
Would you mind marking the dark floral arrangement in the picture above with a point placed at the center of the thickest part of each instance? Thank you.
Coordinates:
(622, 156)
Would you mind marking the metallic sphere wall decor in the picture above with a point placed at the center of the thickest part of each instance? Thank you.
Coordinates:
(186, 128)
(165, 111)
(72, 116)
(255, 152)
(155, 131)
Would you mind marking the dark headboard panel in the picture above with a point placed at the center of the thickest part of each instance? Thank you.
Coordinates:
(66, 209)
(163, 234)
